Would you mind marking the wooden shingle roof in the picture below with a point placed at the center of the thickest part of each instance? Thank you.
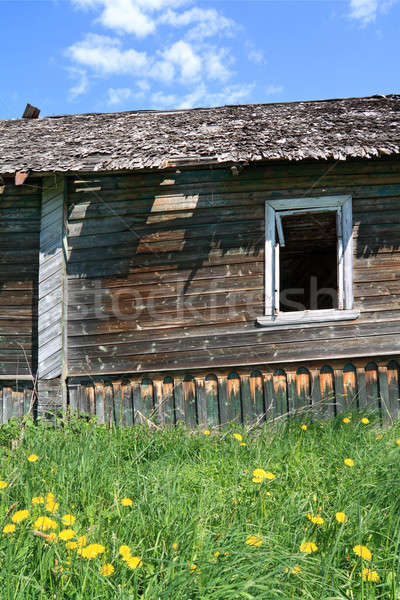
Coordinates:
(329, 129)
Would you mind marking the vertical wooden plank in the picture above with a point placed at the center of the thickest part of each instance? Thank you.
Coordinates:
(179, 399)
(292, 393)
(168, 401)
(372, 387)
(109, 404)
(281, 404)
(257, 396)
(136, 400)
(248, 409)
(362, 389)
(316, 399)
(28, 397)
(117, 397)
(147, 397)
(158, 400)
(91, 400)
(1, 406)
(303, 388)
(7, 404)
(189, 394)
(350, 387)
(211, 391)
(201, 400)
(269, 396)
(127, 406)
(341, 398)
(393, 388)
(100, 403)
(234, 398)
(384, 393)
(327, 391)
(73, 395)
(347, 225)
(223, 399)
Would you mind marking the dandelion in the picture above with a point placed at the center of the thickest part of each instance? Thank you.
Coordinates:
(33, 457)
(369, 575)
(52, 506)
(66, 534)
(294, 570)
(44, 524)
(9, 528)
(303, 427)
(126, 502)
(365, 421)
(397, 442)
(52, 537)
(82, 541)
(341, 517)
(259, 475)
(242, 444)
(134, 562)
(215, 557)
(308, 547)
(316, 519)
(37, 500)
(91, 551)
(174, 546)
(254, 540)
(238, 437)
(124, 551)
(68, 519)
(50, 497)
(363, 552)
(20, 516)
(206, 432)
(71, 545)
(349, 462)
(107, 570)
(193, 568)
(346, 420)
(3, 485)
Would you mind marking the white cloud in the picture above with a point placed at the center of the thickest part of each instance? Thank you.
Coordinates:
(255, 56)
(272, 89)
(201, 96)
(162, 70)
(82, 82)
(364, 10)
(118, 95)
(216, 65)
(161, 100)
(185, 58)
(206, 22)
(104, 54)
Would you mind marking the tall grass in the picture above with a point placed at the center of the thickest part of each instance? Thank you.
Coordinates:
(194, 497)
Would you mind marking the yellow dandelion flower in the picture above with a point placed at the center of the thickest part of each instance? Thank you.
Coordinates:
(363, 552)
(68, 519)
(52, 537)
(50, 497)
(238, 437)
(206, 432)
(259, 475)
(254, 540)
(346, 420)
(341, 517)
(9, 528)
(66, 534)
(398, 441)
(316, 519)
(37, 500)
(193, 568)
(349, 462)
(174, 546)
(124, 551)
(303, 427)
(107, 570)
(308, 547)
(33, 457)
(91, 551)
(242, 444)
(82, 541)
(134, 562)
(20, 516)
(44, 524)
(126, 502)
(369, 575)
(294, 570)
(52, 506)
(3, 485)
(365, 421)
(71, 545)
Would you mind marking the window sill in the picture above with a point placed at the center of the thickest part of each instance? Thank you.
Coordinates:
(308, 316)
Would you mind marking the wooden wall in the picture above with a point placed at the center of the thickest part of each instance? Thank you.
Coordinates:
(19, 261)
(187, 248)
(247, 396)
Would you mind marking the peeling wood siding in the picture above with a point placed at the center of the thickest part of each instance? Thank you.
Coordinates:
(250, 396)
(188, 251)
(19, 263)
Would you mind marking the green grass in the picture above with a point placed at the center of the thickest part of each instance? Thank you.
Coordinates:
(196, 490)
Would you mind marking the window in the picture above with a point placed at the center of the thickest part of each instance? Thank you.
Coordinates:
(308, 261)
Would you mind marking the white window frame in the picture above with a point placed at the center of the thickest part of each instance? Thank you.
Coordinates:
(274, 238)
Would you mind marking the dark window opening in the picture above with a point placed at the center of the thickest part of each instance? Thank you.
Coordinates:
(308, 270)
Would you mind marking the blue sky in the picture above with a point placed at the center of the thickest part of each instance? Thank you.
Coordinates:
(74, 56)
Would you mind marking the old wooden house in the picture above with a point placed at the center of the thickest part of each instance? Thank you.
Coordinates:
(203, 265)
